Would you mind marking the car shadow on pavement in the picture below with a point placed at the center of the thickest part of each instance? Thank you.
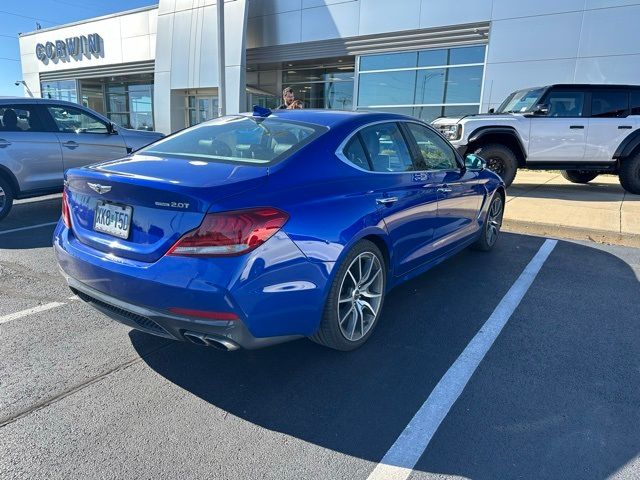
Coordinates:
(521, 416)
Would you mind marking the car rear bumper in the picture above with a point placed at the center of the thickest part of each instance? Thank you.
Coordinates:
(274, 293)
(225, 335)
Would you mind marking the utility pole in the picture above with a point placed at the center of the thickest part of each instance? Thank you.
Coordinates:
(222, 110)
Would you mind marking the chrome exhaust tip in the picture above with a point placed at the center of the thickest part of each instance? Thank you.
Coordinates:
(221, 343)
(215, 341)
(196, 338)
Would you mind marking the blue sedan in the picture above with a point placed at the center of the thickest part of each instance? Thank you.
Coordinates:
(255, 229)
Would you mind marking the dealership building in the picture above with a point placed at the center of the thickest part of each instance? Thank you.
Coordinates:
(157, 67)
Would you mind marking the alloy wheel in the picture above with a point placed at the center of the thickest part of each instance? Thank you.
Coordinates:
(494, 220)
(360, 296)
(3, 198)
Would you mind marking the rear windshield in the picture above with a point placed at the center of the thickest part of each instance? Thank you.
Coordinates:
(237, 139)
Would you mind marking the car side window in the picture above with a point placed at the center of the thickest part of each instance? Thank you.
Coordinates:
(565, 104)
(19, 118)
(386, 148)
(609, 104)
(354, 152)
(435, 152)
(74, 120)
(634, 102)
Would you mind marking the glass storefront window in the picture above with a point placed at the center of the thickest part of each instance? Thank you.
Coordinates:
(140, 107)
(387, 88)
(388, 61)
(433, 58)
(60, 90)
(131, 105)
(430, 86)
(460, 111)
(464, 85)
(428, 113)
(433, 85)
(329, 87)
(464, 55)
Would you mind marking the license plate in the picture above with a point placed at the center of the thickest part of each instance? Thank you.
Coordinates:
(113, 219)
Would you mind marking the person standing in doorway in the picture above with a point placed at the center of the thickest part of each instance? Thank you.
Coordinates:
(288, 97)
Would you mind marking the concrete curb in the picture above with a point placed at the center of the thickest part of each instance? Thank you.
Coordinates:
(571, 233)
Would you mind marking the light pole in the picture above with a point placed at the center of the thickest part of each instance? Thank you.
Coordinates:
(222, 110)
(22, 82)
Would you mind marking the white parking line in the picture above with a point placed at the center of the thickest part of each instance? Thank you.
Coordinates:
(27, 228)
(399, 461)
(30, 311)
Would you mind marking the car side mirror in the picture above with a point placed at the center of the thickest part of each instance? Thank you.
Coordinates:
(112, 128)
(492, 111)
(474, 162)
(541, 110)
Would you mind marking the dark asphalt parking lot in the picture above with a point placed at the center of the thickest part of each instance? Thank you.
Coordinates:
(556, 396)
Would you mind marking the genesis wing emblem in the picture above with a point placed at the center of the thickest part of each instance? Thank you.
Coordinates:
(96, 187)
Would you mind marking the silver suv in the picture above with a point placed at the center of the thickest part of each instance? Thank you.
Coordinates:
(583, 130)
(40, 139)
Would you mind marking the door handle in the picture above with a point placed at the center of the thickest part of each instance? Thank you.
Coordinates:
(577, 127)
(624, 127)
(444, 189)
(386, 200)
(4, 143)
(70, 144)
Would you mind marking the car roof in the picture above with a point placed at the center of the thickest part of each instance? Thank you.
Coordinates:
(31, 100)
(584, 86)
(333, 118)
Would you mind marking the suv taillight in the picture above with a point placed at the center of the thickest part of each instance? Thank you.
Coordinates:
(66, 213)
(230, 233)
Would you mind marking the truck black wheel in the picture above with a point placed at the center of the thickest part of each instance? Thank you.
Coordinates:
(579, 176)
(501, 160)
(629, 174)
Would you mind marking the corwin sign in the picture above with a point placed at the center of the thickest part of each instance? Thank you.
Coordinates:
(74, 47)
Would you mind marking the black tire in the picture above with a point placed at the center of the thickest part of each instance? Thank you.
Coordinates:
(6, 198)
(629, 174)
(579, 176)
(492, 222)
(329, 333)
(501, 160)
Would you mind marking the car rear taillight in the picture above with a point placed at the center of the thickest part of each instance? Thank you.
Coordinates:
(66, 213)
(230, 233)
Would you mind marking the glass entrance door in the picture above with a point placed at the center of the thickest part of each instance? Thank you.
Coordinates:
(92, 96)
(201, 108)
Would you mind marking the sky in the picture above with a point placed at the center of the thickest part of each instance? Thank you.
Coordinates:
(18, 16)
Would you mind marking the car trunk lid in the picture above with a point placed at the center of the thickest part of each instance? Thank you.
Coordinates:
(167, 198)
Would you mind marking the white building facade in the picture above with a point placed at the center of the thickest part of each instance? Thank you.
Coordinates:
(157, 67)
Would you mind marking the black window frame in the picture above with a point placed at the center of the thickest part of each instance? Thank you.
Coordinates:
(632, 92)
(612, 89)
